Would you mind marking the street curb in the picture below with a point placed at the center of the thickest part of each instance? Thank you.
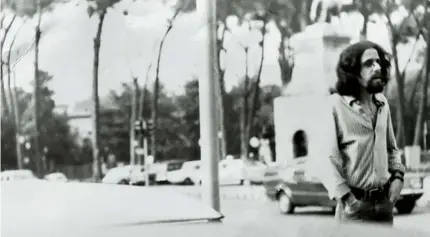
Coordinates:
(248, 193)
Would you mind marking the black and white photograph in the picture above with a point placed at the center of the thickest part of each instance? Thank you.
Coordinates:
(235, 118)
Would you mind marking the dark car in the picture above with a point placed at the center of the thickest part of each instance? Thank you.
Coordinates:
(293, 185)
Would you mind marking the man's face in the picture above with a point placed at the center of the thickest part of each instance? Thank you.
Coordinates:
(370, 74)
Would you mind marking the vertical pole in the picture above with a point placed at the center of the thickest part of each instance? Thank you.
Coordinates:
(208, 109)
(425, 136)
(132, 121)
(147, 166)
(144, 144)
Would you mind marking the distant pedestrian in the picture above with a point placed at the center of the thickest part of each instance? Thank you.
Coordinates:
(364, 174)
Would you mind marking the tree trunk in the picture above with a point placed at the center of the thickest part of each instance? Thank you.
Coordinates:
(156, 91)
(256, 89)
(221, 119)
(5, 104)
(14, 102)
(97, 172)
(244, 137)
(17, 126)
(286, 65)
(401, 136)
(415, 87)
(142, 97)
(304, 16)
(365, 12)
(36, 96)
(423, 104)
(221, 94)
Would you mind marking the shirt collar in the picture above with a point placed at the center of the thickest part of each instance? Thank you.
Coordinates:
(376, 99)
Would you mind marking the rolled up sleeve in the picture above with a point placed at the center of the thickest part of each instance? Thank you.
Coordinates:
(394, 156)
(331, 167)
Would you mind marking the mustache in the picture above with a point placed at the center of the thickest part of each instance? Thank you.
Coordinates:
(377, 75)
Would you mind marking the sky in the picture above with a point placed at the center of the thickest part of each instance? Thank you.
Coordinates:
(130, 43)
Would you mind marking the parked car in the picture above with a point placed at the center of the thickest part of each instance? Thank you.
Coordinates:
(17, 175)
(253, 172)
(187, 173)
(56, 177)
(294, 185)
(230, 172)
(235, 172)
(129, 174)
(160, 169)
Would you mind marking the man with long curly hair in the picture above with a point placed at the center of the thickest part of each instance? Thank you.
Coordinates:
(364, 173)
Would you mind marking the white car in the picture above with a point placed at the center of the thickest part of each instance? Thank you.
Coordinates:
(230, 172)
(187, 173)
(129, 174)
(234, 172)
(160, 169)
(56, 177)
(17, 175)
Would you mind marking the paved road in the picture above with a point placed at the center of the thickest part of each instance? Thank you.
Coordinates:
(251, 212)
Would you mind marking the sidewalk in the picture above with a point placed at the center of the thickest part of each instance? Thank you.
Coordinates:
(257, 192)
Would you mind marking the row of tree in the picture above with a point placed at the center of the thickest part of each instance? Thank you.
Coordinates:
(178, 131)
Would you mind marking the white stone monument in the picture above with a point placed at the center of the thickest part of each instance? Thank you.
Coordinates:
(304, 105)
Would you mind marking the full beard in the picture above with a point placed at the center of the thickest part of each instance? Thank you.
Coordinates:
(375, 86)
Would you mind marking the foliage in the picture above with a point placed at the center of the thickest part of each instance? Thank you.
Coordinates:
(29, 8)
(179, 126)
(55, 133)
(100, 7)
(264, 114)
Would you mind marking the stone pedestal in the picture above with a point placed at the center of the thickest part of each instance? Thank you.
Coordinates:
(306, 114)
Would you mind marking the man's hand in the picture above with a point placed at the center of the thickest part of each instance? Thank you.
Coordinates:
(352, 205)
(349, 199)
(395, 189)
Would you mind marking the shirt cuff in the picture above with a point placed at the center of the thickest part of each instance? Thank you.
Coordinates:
(397, 168)
(340, 191)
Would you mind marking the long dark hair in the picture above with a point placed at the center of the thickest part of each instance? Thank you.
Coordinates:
(349, 67)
